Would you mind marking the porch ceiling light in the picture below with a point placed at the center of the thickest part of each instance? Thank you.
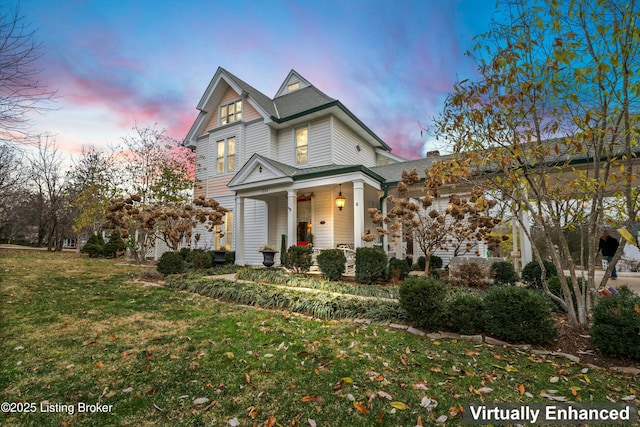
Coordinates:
(340, 200)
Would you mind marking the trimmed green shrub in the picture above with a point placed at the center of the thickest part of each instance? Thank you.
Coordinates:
(201, 260)
(434, 262)
(616, 324)
(532, 274)
(424, 300)
(114, 245)
(517, 314)
(332, 263)
(184, 252)
(170, 263)
(504, 273)
(371, 265)
(465, 314)
(398, 269)
(94, 246)
(230, 257)
(192, 254)
(299, 258)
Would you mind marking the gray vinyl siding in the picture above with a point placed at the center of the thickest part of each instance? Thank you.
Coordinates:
(319, 142)
(345, 143)
(255, 230)
(256, 141)
(285, 148)
(323, 233)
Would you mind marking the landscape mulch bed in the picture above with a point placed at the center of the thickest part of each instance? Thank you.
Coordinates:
(579, 344)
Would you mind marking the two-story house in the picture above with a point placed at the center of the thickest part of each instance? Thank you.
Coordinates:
(300, 164)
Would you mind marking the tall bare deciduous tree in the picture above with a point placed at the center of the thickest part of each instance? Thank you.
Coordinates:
(48, 180)
(21, 93)
(552, 124)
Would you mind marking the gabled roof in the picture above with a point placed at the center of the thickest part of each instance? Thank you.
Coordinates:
(288, 105)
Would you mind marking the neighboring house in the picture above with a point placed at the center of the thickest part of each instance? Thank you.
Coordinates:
(278, 165)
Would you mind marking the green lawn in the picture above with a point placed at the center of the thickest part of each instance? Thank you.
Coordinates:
(79, 331)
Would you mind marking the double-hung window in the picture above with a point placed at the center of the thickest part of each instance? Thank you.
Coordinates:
(231, 112)
(302, 145)
(226, 155)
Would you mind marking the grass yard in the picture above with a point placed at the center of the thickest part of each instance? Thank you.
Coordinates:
(79, 331)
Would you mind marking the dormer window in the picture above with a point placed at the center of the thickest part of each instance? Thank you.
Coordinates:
(231, 112)
(293, 86)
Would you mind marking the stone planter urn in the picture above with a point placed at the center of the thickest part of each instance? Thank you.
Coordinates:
(218, 256)
(268, 257)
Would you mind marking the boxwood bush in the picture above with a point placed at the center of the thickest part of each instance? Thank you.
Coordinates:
(398, 269)
(201, 260)
(424, 300)
(170, 263)
(371, 265)
(532, 274)
(332, 263)
(465, 314)
(504, 273)
(616, 324)
(299, 258)
(518, 315)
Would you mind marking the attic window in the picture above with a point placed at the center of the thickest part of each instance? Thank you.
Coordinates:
(293, 86)
(231, 112)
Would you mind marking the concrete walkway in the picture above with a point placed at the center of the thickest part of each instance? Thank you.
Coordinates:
(632, 280)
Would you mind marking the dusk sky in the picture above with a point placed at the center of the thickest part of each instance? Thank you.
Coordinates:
(117, 63)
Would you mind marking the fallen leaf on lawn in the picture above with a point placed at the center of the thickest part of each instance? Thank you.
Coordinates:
(380, 417)
(353, 344)
(270, 422)
(173, 356)
(498, 356)
(628, 398)
(403, 359)
(379, 378)
(529, 395)
(400, 405)
(268, 355)
(419, 423)
(233, 422)
(586, 378)
(436, 370)
(521, 389)
(510, 368)
(360, 407)
(127, 390)
(470, 353)
(347, 380)
(200, 401)
(564, 371)
(311, 422)
(428, 403)
(350, 397)
(455, 410)
(113, 393)
(99, 364)
(229, 355)
(148, 355)
(311, 398)
(441, 419)
(422, 385)
(384, 395)
(248, 378)
(554, 379)
(337, 386)
(485, 390)
(575, 390)
(436, 343)
(253, 412)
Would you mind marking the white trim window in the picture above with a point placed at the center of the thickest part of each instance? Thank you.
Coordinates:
(231, 112)
(223, 233)
(226, 155)
(302, 145)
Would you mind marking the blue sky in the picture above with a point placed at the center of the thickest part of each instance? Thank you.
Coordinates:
(117, 63)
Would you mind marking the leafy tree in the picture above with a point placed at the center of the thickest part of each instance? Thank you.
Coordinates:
(552, 123)
(458, 228)
(94, 180)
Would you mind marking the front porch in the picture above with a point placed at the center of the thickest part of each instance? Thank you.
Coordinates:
(301, 208)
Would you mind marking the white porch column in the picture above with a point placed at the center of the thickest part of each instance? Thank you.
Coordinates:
(292, 215)
(239, 231)
(358, 212)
